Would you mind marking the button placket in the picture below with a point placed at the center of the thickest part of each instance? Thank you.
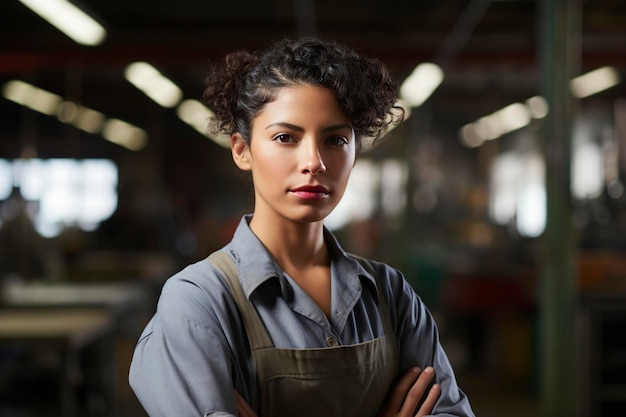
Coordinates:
(331, 341)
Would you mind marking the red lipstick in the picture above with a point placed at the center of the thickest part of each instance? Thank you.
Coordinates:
(311, 192)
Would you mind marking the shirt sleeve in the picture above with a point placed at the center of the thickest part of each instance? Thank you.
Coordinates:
(418, 338)
(183, 365)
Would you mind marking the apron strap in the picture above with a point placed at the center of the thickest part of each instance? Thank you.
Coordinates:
(255, 329)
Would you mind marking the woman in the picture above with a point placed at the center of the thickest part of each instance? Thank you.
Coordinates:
(282, 321)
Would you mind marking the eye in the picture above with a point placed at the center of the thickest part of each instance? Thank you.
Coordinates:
(337, 140)
(284, 138)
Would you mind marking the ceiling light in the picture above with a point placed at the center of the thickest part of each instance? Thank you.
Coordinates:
(32, 97)
(518, 115)
(17, 91)
(424, 79)
(69, 19)
(513, 117)
(538, 107)
(89, 120)
(593, 82)
(510, 118)
(125, 134)
(197, 115)
(470, 136)
(84, 118)
(194, 114)
(67, 111)
(153, 84)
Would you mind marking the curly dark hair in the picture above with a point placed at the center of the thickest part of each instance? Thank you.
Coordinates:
(238, 88)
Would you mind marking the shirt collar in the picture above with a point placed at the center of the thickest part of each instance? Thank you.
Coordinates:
(255, 265)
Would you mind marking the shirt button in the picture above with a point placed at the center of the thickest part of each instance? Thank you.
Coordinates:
(331, 341)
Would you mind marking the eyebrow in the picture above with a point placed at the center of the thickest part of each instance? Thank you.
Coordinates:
(300, 129)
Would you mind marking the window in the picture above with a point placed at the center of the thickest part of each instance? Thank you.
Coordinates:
(65, 192)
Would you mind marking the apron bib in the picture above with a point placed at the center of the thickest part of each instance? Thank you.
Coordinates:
(339, 381)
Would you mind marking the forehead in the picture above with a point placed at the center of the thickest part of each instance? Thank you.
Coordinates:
(304, 103)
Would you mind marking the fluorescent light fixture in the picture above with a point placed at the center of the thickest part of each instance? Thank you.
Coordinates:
(538, 107)
(67, 111)
(518, 115)
(153, 84)
(470, 136)
(69, 19)
(18, 91)
(490, 127)
(32, 97)
(125, 134)
(84, 118)
(594, 82)
(197, 115)
(89, 120)
(513, 117)
(51, 104)
(424, 79)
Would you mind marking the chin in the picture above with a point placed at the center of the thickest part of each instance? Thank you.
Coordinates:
(310, 216)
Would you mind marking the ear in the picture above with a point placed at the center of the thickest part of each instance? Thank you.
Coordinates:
(240, 151)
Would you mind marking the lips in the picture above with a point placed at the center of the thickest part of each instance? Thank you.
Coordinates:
(311, 192)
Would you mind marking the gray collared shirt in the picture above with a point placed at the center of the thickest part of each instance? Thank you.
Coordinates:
(194, 351)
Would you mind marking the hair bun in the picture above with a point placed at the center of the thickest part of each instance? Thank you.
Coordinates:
(240, 62)
(220, 93)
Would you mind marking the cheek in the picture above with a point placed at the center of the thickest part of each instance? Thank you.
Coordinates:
(270, 164)
(344, 169)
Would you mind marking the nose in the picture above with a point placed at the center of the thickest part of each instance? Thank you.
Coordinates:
(311, 160)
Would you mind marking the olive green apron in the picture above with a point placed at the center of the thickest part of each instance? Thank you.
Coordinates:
(340, 381)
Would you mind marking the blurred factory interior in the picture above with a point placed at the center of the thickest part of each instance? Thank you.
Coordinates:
(501, 196)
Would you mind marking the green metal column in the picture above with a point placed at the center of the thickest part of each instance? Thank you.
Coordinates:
(559, 47)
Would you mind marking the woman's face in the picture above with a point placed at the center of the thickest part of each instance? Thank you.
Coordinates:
(301, 153)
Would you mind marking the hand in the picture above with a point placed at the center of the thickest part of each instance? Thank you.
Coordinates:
(243, 409)
(405, 396)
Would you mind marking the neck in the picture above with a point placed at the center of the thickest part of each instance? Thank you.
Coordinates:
(293, 245)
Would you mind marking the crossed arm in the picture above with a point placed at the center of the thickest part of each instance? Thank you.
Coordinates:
(410, 397)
